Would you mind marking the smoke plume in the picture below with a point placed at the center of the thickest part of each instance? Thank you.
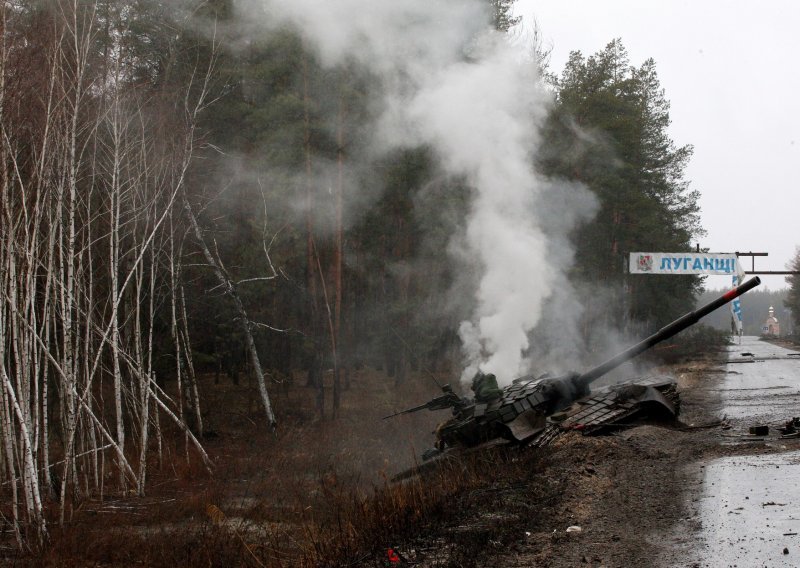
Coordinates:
(450, 82)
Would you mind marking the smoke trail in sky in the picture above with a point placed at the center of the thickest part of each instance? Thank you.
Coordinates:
(449, 81)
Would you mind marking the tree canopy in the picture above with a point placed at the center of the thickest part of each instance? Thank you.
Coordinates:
(609, 130)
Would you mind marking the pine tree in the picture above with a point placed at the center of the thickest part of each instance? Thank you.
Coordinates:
(503, 18)
(609, 131)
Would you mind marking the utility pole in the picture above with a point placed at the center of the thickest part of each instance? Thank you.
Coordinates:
(753, 270)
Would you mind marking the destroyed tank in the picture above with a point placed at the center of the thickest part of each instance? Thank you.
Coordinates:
(533, 411)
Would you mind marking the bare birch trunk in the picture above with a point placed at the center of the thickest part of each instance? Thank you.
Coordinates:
(144, 386)
(173, 300)
(230, 290)
(5, 254)
(8, 430)
(187, 348)
(68, 253)
(33, 499)
(86, 176)
(115, 194)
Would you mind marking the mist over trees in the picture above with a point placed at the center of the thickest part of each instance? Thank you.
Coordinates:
(755, 309)
(792, 301)
(177, 199)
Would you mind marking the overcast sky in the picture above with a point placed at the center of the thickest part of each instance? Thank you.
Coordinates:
(731, 71)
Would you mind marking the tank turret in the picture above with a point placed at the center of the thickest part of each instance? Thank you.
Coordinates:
(529, 408)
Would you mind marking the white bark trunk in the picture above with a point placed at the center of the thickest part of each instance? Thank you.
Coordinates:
(244, 322)
(187, 348)
(33, 498)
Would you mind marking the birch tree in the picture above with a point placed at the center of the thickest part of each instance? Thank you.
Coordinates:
(229, 286)
(91, 169)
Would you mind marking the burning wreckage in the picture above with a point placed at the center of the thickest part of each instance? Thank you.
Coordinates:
(534, 411)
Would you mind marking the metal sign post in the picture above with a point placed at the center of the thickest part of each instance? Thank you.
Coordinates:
(753, 270)
(702, 263)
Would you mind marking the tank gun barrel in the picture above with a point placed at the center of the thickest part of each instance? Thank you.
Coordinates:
(448, 400)
(665, 333)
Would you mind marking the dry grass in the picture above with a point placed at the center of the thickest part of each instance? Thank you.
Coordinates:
(315, 494)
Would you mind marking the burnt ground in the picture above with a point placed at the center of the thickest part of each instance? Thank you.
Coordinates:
(633, 494)
(318, 493)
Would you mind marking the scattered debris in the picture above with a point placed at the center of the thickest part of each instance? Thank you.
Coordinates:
(753, 359)
(747, 438)
(758, 389)
(791, 427)
(773, 503)
(574, 529)
(723, 423)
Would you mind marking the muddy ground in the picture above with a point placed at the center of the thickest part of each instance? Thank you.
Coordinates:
(318, 493)
(634, 495)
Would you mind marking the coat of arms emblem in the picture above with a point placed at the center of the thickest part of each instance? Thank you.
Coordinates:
(645, 263)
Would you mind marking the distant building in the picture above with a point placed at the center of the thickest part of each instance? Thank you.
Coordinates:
(771, 326)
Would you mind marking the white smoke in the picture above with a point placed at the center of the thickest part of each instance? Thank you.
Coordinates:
(447, 80)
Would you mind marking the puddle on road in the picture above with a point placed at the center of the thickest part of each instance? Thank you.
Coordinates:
(749, 507)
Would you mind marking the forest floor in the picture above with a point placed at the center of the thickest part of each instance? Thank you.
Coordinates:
(637, 495)
(318, 493)
(627, 492)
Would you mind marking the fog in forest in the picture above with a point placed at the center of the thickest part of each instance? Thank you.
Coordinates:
(447, 81)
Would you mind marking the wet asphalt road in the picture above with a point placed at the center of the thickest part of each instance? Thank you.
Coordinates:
(749, 505)
(765, 388)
